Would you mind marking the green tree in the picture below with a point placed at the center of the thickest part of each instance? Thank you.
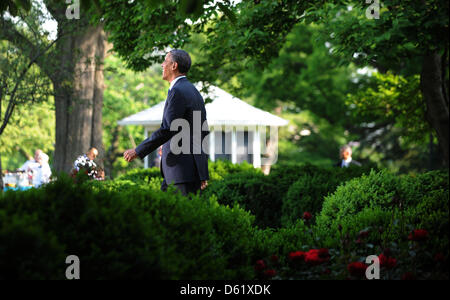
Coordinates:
(407, 38)
(74, 66)
(306, 83)
(142, 30)
(249, 34)
(20, 84)
(396, 102)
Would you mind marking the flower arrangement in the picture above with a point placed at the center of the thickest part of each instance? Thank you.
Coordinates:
(88, 167)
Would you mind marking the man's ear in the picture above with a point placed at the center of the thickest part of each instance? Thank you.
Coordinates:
(175, 66)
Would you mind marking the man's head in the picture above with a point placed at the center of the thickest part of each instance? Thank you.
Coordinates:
(37, 153)
(42, 158)
(176, 63)
(346, 152)
(92, 153)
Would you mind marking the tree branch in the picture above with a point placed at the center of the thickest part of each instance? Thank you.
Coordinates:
(12, 102)
(10, 33)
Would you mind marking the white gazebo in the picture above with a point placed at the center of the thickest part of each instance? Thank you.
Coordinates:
(238, 129)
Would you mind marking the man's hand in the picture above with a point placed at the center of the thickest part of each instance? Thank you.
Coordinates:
(129, 155)
(204, 184)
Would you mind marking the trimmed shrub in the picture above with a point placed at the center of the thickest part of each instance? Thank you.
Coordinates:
(137, 233)
(140, 175)
(26, 252)
(107, 232)
(255, 192)
(119, 185)
(390, 206)
(220, 169)
(307, 193)
(281, 197)
(280, 241)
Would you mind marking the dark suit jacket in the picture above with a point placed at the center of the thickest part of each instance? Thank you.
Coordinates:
(352, 163)
(183, 99)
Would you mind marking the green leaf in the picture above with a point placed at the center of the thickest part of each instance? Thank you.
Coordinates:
(231, 16)
(24, 4)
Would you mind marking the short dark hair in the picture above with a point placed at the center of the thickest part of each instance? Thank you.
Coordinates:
(182, 58)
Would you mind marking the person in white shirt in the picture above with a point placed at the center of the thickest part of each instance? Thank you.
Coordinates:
(42, 172)
(31, 164)
(86, 159)
(346, 158)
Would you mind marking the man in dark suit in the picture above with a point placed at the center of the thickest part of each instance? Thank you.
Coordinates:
(346, 158)
(188, 170)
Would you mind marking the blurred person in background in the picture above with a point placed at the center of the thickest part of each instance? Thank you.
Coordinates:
(86, 159)
(42, 172)
(32, 163)
(346, 158)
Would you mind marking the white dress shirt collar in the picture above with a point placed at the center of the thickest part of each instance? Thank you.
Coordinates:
(174, 81)
(346, 162)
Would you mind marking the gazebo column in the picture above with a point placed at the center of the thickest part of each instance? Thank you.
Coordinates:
(146, 158)
(257, 148)
(212, 145)
(233, 146)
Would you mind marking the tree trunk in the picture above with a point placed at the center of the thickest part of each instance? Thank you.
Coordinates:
(76, 71)
(1, 175)
(79, 96)
(97, 129)
(434, 95)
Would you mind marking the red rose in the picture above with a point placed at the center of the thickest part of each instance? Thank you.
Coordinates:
(387, 262)
(418, 235)
(274, 258)
(270, 273)
(357, 269)
(317, 256)
(408, 276)
(260, 265)
(297, 256)
(307, 215)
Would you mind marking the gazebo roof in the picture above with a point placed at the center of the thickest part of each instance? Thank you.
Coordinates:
(225, 109)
